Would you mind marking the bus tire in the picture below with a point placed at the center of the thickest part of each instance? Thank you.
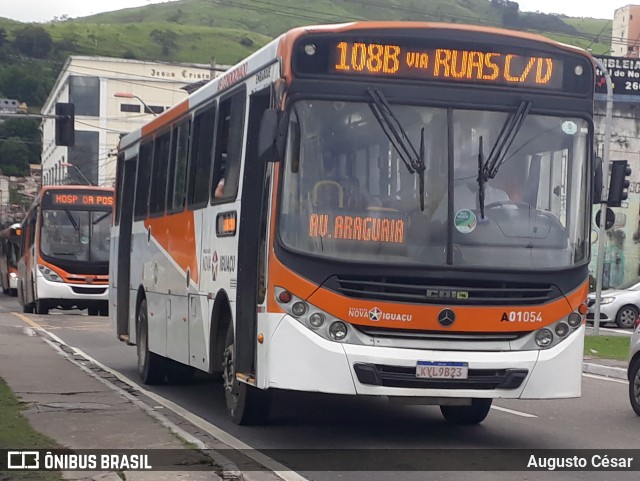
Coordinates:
(151, 366)
(42, 307)
(465, 415)
(246, 405)
(178, 373)
(92, 311)
(27, 308)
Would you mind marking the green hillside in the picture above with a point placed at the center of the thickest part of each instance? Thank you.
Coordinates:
(224, 32)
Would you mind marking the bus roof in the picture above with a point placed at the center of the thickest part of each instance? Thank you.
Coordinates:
(282, 47)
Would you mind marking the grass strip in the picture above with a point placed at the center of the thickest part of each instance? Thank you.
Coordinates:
(17, 433)
(607, 347)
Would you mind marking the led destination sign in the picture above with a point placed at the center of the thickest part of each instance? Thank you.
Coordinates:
(78, 199)
(446, 64)
(357, 228)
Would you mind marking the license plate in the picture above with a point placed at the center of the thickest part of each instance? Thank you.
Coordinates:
(442, 370)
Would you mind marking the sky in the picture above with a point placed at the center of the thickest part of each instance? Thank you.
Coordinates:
(45, 10)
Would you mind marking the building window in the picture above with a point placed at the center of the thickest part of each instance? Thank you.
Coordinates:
(155, 109)
(84, 156)
(84, 93)
(129, 108)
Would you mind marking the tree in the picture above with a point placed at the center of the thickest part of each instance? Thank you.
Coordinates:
(26, 83)
(14, 157)
(29, 131)
(33, 41)
(3, 36)
(166, 39)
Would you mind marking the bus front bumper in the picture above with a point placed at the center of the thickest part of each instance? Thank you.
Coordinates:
(298, 359)
(72, 292)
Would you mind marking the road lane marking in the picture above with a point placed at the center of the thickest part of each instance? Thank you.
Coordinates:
(512, 411)
(605, 378)
(24, 318)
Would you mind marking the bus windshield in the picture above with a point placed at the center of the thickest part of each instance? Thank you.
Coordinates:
(75, 235)
(348, 192)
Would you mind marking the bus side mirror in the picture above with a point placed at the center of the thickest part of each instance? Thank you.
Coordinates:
(273, 135)
(596, 181)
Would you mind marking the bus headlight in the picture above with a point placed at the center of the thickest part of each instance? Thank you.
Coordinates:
(320, 322)
(13, 275)
(299, 309)
(544, 338)
(338, 330)
(316, 319)
(48, 274)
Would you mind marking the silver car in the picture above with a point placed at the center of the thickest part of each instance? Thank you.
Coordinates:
(620, 305)
(634, 369)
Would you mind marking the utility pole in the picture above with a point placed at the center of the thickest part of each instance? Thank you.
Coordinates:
(604, 196)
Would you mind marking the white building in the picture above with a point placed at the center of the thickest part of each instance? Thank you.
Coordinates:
(91, 84)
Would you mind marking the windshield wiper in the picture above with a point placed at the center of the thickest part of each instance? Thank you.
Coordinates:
(498, 156)
(398, 137)
(101, 217)
(73, 221)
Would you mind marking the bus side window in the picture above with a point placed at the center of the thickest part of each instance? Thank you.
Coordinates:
(158, 197)
(119, 179)
(229, 141)
(142, 181)
(200, 159)
(176, 191)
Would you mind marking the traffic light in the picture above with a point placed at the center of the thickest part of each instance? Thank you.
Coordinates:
(65, 124)
(618, 183)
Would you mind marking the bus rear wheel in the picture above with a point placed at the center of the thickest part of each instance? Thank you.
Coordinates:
(151, 366)
(246, 404)
(465, 415)
(42, 307)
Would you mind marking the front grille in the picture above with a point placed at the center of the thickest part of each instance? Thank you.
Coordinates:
(89, 290)
(450, 292)
(439, 335)
(405, 377)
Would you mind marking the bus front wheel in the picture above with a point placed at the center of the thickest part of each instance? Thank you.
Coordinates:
(246, 404)
(151, 366)
(472, 414)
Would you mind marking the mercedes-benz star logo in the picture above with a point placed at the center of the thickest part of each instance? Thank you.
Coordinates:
(446, 317)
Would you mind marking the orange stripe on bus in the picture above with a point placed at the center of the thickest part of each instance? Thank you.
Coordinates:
(176, 233)
(166, 118)
(468, 318)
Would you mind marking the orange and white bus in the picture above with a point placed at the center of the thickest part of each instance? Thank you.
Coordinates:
(385, 208)
(65, 250)
(10, 241)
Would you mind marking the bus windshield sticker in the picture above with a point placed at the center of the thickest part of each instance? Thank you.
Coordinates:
(569, 127)
(465, 221)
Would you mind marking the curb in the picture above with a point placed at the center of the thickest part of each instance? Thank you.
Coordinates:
(607, 371)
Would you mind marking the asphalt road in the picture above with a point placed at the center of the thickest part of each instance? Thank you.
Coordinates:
(601, 419)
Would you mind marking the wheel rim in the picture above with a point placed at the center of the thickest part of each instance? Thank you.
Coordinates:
(229, 377)
(636, 387)
(628, 317)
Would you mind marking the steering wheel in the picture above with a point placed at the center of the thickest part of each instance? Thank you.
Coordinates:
(501, 203)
